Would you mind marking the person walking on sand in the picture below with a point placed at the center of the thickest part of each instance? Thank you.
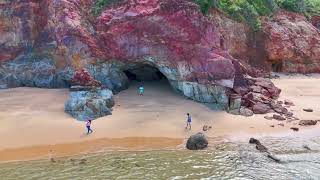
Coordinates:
(141, 90)
(188, 121)
(88, 124)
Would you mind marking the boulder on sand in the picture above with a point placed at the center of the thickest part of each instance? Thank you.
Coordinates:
(84, 105)
(278, 117)
(308, 122)
(197, 141)
(308, 110)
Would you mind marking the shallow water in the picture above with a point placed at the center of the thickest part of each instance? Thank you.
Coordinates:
(219, 161)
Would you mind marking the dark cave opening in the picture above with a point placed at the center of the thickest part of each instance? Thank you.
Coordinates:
(144, 73)
(277, 66)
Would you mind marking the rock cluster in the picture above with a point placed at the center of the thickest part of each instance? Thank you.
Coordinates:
(259, 97)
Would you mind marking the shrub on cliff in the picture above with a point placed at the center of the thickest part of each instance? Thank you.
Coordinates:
(100, 4)
(306, 7)
(206, 5)
(248, 11)
(298, 6)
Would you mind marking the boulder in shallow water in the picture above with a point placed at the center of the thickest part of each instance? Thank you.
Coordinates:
(197, 141)
(84, 105)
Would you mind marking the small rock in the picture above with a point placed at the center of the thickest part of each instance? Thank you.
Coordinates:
(289, 114)
(308, 110)
(288, 102)
(281, 124)
(259, 146)
(306, 147)
(280, 102)
(246, 112)
(308, 122)
(294, 128)
(268, 117)
(205, 128)
(254, 141)
(272, 126)
(83, 161)
(197, 141)
(52, 160)
(278, 117)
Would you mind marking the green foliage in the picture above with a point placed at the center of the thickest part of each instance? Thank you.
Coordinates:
(205, 5)
(248, 11)
(264, 7)
(306, 7)
(298, 6)
(312, 7)
(100, 4)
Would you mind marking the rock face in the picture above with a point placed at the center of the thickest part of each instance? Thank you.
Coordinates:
(172, 36)
(84, 105)
(292, 43)
(43, 43)
(197, 141)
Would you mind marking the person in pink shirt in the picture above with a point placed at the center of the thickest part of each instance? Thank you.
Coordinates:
(88, 124)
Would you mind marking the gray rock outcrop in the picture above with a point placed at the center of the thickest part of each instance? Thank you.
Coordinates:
(84, 105)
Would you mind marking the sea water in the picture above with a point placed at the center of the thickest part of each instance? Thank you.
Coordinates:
(223, 160)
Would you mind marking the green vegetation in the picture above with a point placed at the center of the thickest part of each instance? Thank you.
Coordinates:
(249, 11)
(99, 5)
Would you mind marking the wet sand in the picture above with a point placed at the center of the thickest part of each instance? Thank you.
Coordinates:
(33, 123)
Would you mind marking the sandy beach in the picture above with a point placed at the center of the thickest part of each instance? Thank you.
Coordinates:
(33, 123)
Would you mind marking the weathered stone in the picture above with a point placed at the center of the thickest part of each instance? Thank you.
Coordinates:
(260, 108)
(258, 144)
(308, 122)
(294, 128)
(84, 105)
(278, 117)
(308, 110)
(197, 141)
(246, 112)
(268, 117)
(288, 102)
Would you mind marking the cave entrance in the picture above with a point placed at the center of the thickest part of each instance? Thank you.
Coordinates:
(144, 73)
(154, 82)
(277, 66)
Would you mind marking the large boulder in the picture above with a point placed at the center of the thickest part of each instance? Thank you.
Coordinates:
(197, 141)
(84, 105)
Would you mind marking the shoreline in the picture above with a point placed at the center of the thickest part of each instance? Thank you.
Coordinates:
(33, 122)
(133, 144)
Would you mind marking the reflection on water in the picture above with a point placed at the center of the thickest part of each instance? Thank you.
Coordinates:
(221, 161)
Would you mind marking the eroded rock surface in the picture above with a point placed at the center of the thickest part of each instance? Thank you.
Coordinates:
(84, 105)
(206, 58)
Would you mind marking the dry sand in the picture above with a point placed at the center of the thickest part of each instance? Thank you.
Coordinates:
(33, 123)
